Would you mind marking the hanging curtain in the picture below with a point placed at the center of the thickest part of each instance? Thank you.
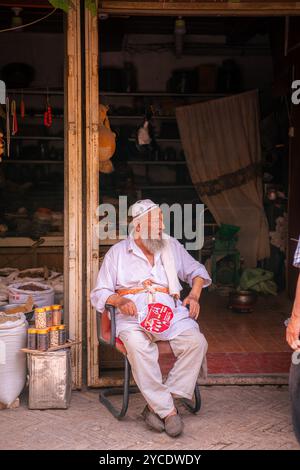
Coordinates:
(221, 143)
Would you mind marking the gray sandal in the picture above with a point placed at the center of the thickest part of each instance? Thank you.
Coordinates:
(153, 420)
(174, 425)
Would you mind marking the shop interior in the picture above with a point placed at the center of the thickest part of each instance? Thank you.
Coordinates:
(148, 68)
(32, 165)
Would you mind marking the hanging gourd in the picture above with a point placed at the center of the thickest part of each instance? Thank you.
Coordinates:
(106, 167)
(107, 138)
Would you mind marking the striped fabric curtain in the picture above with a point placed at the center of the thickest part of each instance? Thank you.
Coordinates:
(221, 142)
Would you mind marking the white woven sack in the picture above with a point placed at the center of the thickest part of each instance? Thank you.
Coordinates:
(41, 298)
(12, 360)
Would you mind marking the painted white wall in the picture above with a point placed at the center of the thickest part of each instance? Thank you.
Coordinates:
(45, 52)
(155, 68)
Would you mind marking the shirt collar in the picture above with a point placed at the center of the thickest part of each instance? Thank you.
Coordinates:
(133, 248)
(130, 243)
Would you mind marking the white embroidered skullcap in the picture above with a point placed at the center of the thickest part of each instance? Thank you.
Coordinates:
(142, 207)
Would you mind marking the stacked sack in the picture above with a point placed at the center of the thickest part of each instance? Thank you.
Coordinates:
(13, 332)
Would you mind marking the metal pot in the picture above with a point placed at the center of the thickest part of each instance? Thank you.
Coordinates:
(17, 75)
(242, 301)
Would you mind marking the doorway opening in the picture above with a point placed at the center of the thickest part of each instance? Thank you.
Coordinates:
(153, 65)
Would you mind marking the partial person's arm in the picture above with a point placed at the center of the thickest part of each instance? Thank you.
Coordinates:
(293, 329)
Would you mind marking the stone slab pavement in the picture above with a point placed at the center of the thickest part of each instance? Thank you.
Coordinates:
(231, 417)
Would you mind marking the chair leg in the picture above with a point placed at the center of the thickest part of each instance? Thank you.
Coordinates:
(195, 406)
(125, 390)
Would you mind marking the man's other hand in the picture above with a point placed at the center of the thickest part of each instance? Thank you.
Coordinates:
(194, 306)
(293, 333)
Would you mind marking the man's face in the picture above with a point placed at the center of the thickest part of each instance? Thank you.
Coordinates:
(151, 229)
(152, 225)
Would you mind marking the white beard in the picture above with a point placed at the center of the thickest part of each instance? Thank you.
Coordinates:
(154, 245)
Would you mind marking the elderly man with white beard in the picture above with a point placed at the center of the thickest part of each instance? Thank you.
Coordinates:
(141, 270)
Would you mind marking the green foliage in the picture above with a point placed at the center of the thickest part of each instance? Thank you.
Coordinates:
(61, 4)
(92, 6)
(65, 5)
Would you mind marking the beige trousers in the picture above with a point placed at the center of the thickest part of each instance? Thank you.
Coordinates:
(189, 347)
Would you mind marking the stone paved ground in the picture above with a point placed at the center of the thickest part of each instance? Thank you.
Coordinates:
(232, 417)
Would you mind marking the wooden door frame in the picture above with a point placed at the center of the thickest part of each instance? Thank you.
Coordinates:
(224, 8)
(73, 189)
(92, 188)
(92, 127)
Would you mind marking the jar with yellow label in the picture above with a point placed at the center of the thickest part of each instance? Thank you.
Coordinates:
(62, 336)
(43, 339)
(54, 336)
(48, 311)
(57, 313)
(31, 338)
(40, 318)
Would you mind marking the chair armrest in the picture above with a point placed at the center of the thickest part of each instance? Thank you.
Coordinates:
(111, 309)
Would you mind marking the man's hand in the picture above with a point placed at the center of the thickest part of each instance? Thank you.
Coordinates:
(127, 307)
(192, 301)
(293, 333)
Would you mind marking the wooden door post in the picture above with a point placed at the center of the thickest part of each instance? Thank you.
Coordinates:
(73, 188)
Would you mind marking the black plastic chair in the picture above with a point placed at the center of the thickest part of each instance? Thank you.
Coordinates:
(106, 331)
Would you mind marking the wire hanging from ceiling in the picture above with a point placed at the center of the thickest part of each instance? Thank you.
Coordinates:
(29, 24)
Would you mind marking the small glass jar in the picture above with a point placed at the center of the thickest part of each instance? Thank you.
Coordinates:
(62, 334)
(57, 314)
(48, 311)
(54, 335)
(31, 338)
(43, 339)
(40, 318)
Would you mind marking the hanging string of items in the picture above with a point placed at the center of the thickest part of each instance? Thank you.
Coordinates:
(11, 121)
(1, 145)
(7, 126)
(11, 111)
(48, 113)
(22, 106)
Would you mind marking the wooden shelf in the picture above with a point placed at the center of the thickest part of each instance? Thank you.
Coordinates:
(30, 137)
(164, 94)
(30, 162)
(68, 344)
(114, 117)
(35, 91)
(161, 118)
(40, 116)
(132, 139)
(166, 187)
(20, 242)
(6, 242)
(156, 162)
